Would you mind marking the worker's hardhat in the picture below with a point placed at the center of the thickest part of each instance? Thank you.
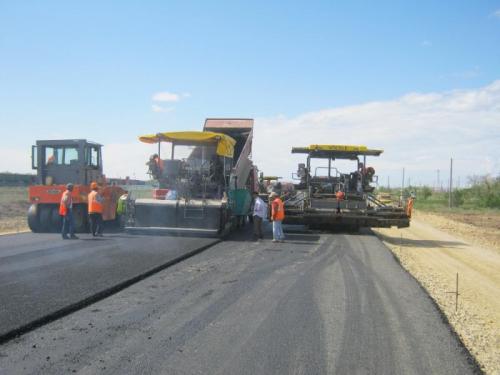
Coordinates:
(93, 185)
(273, 194)
(69, 186)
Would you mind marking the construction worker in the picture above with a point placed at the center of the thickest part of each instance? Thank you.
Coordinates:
(259, 213)
(409, 205)
(66, 211)
(340, 195)
(155, 165)
(95, 201)
(277, 217)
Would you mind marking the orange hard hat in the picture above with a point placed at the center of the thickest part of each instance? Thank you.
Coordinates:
(93, 185)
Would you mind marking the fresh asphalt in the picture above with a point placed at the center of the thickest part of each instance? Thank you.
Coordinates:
(316, 304)
(42, 275)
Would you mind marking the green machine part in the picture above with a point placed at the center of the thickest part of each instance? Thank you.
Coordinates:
(241, 199)
(121, 205)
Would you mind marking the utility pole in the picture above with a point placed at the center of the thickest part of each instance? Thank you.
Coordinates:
(388, 184)
(451, 182)
(437, 182)
(402, 186)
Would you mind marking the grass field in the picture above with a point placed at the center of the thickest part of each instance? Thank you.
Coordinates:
(13, 208)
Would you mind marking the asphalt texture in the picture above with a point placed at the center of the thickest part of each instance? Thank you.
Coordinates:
(316, 304)
(41, 274)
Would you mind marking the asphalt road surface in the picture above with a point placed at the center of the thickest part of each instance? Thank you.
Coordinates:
(317, 304)
(41, 273)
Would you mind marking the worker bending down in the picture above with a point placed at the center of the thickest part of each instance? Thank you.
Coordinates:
(95, 201)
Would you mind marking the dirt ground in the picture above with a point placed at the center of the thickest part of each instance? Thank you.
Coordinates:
(434, 249)
(13, 208)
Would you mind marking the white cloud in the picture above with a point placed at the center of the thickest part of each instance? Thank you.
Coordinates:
(418, 131)
(426, 43)
(158, 108)
(166, 96)
(496, 13)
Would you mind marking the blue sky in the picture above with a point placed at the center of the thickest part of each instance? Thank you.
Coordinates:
(90, 69)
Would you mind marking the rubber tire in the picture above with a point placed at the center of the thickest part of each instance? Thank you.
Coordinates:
(45, 218)
(80, 218)
(33, 219)
(55, 220)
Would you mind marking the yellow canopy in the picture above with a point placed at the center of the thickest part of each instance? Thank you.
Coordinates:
(351, 148)
(225, 144)
(336, 151)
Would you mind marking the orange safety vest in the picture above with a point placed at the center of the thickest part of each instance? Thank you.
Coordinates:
(66, 202)
(339, 195)
(409, 207)
(278, 210)
(94, 203)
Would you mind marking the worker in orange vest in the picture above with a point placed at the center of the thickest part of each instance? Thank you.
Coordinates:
(409, 206)
(340, 195)
(95, 201)
(277, 217)
(66, 211)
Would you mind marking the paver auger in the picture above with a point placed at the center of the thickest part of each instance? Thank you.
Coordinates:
(314, 200)
(205, 186)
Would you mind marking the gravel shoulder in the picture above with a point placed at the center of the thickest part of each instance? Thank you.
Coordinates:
(434, 249)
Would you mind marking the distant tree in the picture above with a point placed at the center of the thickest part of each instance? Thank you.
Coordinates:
(458, 197)
(426, 192)
(485, 191)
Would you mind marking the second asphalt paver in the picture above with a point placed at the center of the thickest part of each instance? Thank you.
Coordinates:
(318, 304)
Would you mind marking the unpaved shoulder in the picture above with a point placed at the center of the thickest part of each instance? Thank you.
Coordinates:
(434, 257)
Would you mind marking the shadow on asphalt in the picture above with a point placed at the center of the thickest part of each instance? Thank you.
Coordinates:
(309, 238)
(419, 243)
(97, 239)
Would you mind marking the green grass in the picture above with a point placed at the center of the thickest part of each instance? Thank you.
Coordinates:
(13, 194)
(482, 197)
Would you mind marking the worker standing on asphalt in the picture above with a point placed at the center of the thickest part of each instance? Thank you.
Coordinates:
(277, 216)
(95, 201)
(66, 211)
(259, 213)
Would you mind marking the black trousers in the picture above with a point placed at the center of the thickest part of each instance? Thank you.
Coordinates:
(96, 224)
(257, 227)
